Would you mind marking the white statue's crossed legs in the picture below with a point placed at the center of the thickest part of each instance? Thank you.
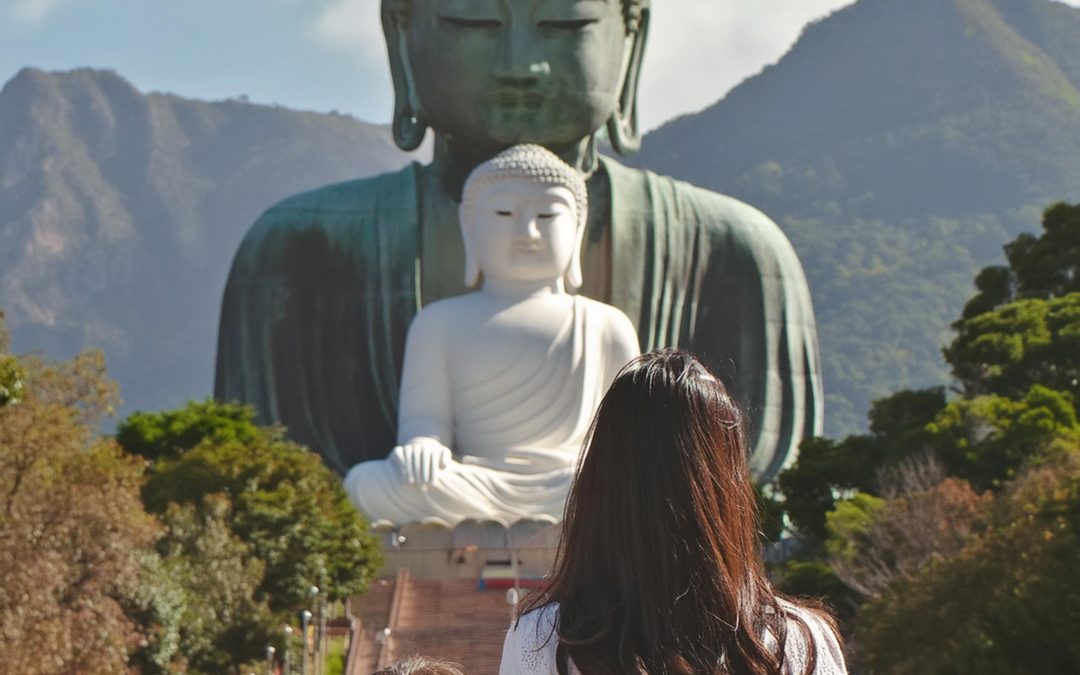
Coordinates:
(458, 491)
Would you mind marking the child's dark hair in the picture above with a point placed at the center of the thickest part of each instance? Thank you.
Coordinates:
(422, 665)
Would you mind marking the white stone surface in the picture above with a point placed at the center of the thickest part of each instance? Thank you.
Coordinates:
(499, 386)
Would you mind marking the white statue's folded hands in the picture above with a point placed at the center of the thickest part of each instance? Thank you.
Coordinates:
(420, 459)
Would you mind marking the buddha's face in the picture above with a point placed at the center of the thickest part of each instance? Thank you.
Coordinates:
(501, 72)
(524, 230)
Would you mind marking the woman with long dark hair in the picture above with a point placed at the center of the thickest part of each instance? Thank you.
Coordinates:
(659, 568)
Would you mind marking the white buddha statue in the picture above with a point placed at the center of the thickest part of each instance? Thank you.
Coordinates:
(500, 385)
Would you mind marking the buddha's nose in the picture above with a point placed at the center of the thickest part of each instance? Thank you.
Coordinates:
(530, 230)
(518, 61)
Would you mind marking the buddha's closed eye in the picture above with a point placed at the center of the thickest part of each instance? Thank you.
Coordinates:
(567, 24)
(468, 22)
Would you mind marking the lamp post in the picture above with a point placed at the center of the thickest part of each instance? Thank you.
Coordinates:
(317, 655)
(320, 642)
(287, 630)
(305, 618)
(270, 659)
(513, 595)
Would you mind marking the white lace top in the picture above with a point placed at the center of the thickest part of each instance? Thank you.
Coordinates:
(528, 650)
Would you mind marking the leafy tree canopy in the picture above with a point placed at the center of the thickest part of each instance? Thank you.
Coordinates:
(873, 543)
(11, 375)
(815, 579)
(1005, 604)
(851, 521)
(252, 521)
(222, 624)
(73, 534)
(168, 434)
(1044, 267)
(282, 501)
(987, 439)
(826, 467)
(1010, 348)
(11, 380)
(1016, 360)
(1022, 327)
(245, 523)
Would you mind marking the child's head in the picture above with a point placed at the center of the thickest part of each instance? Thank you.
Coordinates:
(522, 216)
(422, 665)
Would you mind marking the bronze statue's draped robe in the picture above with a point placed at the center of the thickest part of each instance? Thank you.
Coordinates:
(325, 284)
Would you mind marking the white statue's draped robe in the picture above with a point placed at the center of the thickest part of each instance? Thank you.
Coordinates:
(511, 387)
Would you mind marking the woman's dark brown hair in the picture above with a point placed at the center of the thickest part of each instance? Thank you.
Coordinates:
(659, 566)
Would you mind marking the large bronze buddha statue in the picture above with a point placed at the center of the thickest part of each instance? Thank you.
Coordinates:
(325, 284)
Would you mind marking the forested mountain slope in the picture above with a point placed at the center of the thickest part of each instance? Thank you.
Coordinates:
(120, 213)
(899, 144)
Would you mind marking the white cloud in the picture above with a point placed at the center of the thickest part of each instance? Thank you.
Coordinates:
(350, 26)
(32, 11)
(699, 49)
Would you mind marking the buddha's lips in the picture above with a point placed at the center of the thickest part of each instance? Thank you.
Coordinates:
(517, 99)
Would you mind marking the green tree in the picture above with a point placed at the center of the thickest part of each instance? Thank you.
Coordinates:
(283, 502)
(951, 579)
(11, 375)
(168, 434)
(987, 439)
(1018, 367)
(827, 468)
(1022, 326)
(811, 485)
(11, 380)
(815, 580)
(1008, 349)
(252, 521)
(157, 606)
(771, 515)
(874, 543)
(221, 624)
(1042, 267)
(1006, 604)
(850, 522)
(287, 505)
(74, 538)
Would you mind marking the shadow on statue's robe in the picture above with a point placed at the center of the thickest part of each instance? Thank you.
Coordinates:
(325, 284)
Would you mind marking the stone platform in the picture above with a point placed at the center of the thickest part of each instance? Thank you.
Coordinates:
(448, 592)
(471, 549)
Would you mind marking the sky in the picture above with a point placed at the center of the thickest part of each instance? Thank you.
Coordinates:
(329, 54)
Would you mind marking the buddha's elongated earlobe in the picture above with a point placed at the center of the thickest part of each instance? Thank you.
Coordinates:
(574, 276)
(472, 265)
(472, 268)
(409, 125)
(622, 126)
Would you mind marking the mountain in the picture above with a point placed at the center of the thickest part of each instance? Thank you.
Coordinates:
(120, 213)
(899, 144)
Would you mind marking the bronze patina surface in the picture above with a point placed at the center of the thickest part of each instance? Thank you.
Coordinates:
(325, 284)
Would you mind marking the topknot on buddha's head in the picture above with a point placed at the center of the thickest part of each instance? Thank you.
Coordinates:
(531, 163)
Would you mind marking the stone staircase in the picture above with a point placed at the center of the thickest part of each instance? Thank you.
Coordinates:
(448, 618)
